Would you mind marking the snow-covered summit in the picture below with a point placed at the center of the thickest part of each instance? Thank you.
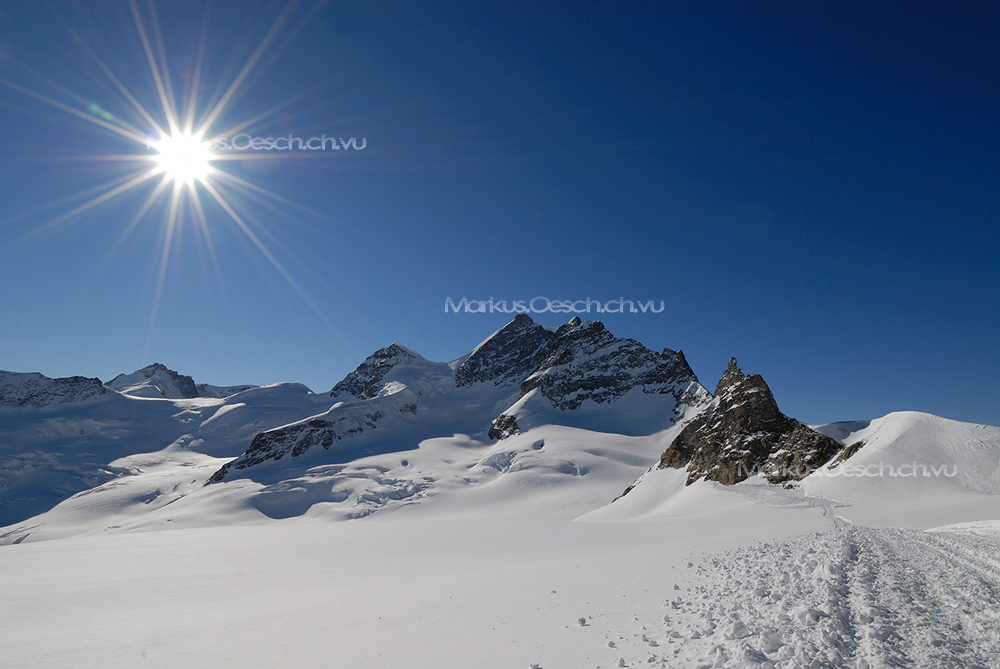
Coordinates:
(366, 381)
(155, 381)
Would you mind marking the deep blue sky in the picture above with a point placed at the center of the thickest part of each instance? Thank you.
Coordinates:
(810, 187)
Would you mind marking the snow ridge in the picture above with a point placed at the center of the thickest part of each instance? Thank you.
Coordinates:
(37, 391)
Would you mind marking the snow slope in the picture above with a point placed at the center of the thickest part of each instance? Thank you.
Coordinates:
(914, 470)
(480, 568)
(552, 472)
(51, 452)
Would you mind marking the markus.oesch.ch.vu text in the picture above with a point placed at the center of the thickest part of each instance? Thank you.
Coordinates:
(540, 305)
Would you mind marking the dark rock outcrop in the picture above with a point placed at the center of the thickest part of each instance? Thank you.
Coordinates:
(846, 454)
(503, 426)
(743, 433)
(185, 384)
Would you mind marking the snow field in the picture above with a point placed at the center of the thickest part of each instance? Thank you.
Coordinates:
(300, 593)
(853, 597)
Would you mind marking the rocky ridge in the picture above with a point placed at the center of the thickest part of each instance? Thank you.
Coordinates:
(298, 438)
(586, 362)
(583, 361)
(37, 391)
(509, 356)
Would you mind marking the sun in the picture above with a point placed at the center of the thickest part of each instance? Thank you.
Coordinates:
(183, 158)
(181, 152)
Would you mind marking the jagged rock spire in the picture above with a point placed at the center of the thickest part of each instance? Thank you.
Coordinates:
(743, 433)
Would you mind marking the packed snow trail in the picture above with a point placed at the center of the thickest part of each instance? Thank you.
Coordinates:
(854, 597)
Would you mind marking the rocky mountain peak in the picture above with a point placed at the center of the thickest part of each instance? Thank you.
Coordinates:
(507, 356)
(583, 361)
(730, 377)
(365, 381)
(743, 433)
(185, 384)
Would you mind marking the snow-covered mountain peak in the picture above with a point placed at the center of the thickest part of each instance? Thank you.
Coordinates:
(155, 381)
(365, 382)
(584, 361)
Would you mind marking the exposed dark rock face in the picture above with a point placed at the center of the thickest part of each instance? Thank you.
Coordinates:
(503, 426)
(365, 381)
(36, 390)
(743, 433)
(586, 362)
(847, 453)
(298, 438)
(509, 356)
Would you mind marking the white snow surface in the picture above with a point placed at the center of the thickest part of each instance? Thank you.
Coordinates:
(915, 470)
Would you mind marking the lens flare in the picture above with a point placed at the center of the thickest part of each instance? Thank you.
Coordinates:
(183, 158)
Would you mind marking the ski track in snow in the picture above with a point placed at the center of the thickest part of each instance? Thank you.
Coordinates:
(854, 597)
